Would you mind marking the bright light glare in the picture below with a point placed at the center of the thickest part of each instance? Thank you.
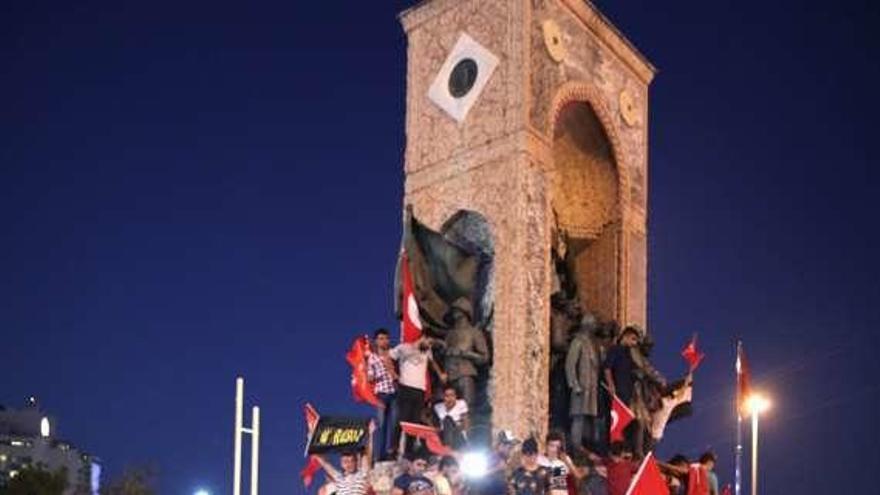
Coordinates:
(757, 404)
(44, 427)
(202, 491)
(474, 464)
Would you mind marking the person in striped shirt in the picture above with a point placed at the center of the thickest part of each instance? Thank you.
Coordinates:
(354, 477)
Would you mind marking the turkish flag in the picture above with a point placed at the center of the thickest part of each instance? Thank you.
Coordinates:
(621, 416)
(428, 434)
(312, 466)
(308, 473)
(692, 355)
(648, 479)
(698, 480)
(410, 323)
(743, 380)
(360, 385)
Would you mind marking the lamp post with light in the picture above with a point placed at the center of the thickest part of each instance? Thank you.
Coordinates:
(756, 404)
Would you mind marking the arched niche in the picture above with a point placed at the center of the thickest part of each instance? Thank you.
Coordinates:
(585, 197)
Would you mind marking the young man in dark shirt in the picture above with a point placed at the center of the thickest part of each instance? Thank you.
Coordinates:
(413, 481)
(530, 478)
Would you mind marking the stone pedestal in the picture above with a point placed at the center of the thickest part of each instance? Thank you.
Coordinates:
(553, 146)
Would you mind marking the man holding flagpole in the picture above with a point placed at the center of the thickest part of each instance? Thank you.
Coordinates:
(620, 372)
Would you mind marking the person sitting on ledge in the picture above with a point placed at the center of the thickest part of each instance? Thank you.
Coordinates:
(452, 418)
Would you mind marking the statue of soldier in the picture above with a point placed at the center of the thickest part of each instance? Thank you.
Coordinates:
(466, 349)
(582, 365)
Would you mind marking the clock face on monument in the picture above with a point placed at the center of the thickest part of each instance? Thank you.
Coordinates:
(462, 77)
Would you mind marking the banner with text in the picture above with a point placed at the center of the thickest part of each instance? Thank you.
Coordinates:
(337, 434)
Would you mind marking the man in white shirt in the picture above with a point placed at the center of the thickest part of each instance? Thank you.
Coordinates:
(559, 464)
(452, 418)
(413, 360)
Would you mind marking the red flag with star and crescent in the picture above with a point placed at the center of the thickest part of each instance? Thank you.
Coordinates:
(621, 416)
(410, 323)
(648, 480)
(361, 388)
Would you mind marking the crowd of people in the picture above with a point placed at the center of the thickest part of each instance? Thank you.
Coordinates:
(520, 468)
(599, 363)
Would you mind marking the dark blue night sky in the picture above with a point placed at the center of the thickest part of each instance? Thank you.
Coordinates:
(193, 190)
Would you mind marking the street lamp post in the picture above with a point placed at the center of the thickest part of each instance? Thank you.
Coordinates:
(756, 404)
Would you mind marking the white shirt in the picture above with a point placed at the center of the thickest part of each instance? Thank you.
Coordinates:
(661, 416)
(458, 411)
(413, 365)
(558, 474)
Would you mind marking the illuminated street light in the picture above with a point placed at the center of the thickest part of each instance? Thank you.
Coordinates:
(202, 491)
(474, 465)
(756, 404)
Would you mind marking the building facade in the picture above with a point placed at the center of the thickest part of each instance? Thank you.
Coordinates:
(28, 439)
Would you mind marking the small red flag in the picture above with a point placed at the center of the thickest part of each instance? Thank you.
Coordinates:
(428, 434)
(621, 416)
(648, 479)
(692, 355)
(727, 490)
(308, 473)
(410, 323)
(360, 384)
(312, 466)
(743, 380)
(698, 480)
(312, 416)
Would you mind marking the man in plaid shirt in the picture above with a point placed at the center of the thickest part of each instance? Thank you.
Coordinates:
(383, 376)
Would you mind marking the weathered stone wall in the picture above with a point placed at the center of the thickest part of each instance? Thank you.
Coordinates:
(500, 163)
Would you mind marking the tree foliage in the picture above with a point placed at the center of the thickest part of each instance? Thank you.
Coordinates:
(36, 480)
(133, 481)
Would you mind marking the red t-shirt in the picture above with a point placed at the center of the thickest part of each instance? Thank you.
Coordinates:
(620, 474)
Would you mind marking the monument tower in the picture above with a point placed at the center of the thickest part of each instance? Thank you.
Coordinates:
(530, 116)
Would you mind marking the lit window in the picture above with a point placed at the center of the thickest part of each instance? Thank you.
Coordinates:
(44, 427)
(16, 443)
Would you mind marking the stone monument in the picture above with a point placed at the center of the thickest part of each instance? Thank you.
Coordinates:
(530, 116)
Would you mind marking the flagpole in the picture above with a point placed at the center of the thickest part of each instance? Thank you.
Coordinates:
(255, 449)
(755, 452)
(739, 445)
(236, 463)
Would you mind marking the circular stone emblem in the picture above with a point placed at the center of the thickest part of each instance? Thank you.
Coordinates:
(553, 40)
(628, 109)
(462, 77)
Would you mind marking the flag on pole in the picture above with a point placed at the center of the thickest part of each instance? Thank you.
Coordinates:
(410, 322)
(692, 355)
(743, 381)
(428, 434)
(312, 465)
(360, 384)
(621, 416)
(698, 480)
(440, 271)
(648, 479)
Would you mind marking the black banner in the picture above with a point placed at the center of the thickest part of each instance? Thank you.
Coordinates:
(336, 434)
